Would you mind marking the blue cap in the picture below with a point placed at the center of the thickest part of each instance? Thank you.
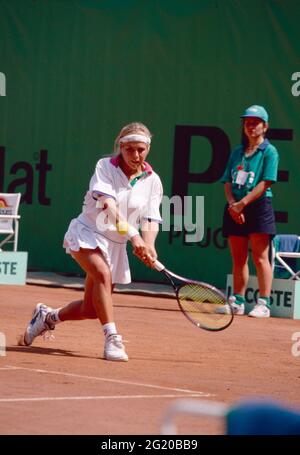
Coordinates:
(256, 111)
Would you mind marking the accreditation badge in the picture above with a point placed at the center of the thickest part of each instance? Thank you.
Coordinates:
(241, 177)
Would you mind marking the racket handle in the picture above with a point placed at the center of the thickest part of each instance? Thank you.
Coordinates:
(158, 266)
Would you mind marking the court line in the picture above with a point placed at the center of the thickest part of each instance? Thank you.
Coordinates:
(116, 381)
(100, 397)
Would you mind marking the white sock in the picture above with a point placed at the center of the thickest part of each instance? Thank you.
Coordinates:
(53, 316)
(109, 328)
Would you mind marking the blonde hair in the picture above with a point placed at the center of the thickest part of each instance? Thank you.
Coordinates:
(134, 127)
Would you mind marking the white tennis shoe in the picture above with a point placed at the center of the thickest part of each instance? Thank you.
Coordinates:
(37, 326)
(260, 310)
(114, 348)
(238, 309)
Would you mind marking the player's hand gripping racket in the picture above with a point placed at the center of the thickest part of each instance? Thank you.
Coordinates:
(203, 304)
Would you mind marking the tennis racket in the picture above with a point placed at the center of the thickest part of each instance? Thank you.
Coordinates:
(203, 304)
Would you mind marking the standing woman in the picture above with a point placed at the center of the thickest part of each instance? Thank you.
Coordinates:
(124, 196)
(249, 215)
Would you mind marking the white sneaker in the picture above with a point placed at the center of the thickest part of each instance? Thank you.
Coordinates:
(260, 310)
(238, 309)
(114, 348)
(37, 326)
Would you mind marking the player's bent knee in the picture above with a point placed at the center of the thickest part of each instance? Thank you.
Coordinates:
(102, 276)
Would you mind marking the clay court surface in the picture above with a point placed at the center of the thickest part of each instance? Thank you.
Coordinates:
(64, 386)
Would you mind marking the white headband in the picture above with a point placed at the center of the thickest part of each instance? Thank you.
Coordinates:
(135, 138)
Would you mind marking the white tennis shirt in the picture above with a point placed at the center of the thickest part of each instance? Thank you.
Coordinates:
(137, 202)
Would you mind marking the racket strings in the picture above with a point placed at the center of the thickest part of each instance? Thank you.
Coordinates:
(195, 294)
(203, 305)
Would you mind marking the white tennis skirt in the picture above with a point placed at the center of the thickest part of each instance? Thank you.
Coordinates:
(79, 236)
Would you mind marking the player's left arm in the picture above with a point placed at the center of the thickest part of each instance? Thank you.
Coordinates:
(150, 220)
(149, 230)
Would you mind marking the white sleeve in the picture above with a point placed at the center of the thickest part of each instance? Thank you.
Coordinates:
(152, 211)
(101, 182)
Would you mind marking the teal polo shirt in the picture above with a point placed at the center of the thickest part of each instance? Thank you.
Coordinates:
(260, 166)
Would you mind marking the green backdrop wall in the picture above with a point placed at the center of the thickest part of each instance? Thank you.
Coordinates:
(76, 71)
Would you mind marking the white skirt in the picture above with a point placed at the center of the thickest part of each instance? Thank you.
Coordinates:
(79, 236)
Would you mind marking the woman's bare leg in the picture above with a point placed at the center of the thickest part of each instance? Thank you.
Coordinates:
(260, 244)
(99, 285)
(97, 302)
(80, 309)
(240, 270)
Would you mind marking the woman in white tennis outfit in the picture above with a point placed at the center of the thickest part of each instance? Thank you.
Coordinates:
(124, 196)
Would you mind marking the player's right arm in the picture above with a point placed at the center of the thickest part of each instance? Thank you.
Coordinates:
(140, 249)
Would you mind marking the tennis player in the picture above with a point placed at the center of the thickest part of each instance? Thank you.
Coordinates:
(124, 197)
(249, 215)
